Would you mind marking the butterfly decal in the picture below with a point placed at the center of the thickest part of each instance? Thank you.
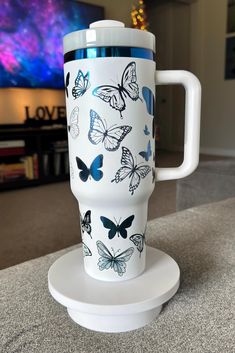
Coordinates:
(153, 175)
(149, 99)
(111, 138)
(94, 170)
(115, 262)
(67, 84)
(119, 229)
(82, 84)
(138, 240)
(146, 130)
(153, 128)
(134, 171)
(116, 95)
(86, 250)
(146, 154)
(73, 128)
(86, 223)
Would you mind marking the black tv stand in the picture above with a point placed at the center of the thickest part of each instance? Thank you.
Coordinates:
(45, 150)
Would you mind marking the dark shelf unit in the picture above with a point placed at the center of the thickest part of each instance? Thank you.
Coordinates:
(37, 141)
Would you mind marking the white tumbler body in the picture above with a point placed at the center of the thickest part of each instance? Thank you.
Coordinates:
(109, 104)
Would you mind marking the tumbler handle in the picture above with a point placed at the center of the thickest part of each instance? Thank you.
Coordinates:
(192, 122)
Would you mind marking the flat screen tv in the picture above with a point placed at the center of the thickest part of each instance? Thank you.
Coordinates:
(31, 36)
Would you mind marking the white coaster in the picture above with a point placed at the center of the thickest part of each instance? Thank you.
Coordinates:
(113, 306)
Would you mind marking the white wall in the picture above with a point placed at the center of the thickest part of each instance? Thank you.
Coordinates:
(193, 38)
(207, 61)
(170, 22)
(14, 100)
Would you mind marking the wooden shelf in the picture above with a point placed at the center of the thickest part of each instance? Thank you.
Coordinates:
(230, 35)
(39, 141)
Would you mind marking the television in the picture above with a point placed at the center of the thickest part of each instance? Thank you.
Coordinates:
(31, 39)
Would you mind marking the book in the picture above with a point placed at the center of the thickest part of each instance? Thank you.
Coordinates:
(13, 166)
(11, 151)
(12, 143)
(35, 166)
(66, 163)
(57, 163)
(45, 161)
(60, 146)
(12, 171)
(30, 167)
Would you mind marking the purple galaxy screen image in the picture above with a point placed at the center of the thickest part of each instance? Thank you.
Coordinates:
(31, 39)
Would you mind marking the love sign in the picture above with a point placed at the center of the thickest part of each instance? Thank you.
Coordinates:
(45, 113)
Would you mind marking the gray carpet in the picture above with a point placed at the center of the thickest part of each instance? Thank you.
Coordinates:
(199, 319)
(212, 181)
(37, 221)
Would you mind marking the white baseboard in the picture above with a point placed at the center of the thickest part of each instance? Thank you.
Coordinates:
(218, 151)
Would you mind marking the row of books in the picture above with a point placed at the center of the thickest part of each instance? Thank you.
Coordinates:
(56, 160)
(25, 168)
(17, 163)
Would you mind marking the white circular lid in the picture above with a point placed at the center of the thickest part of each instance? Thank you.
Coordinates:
(108, 33)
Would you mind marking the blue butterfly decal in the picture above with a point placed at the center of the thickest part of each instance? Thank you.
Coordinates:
(117, 228)
(67, 84)
(116, 95)
(73, 123)
(129, 169)
(93, 171)
(82, 84)
(86, 223)
(139, 241)
(146, 130)
(115, 262)
(86, 250)
(149, 99)
(111, 138)
(146, 154)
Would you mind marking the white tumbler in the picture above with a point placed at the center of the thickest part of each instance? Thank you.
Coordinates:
(110, 76)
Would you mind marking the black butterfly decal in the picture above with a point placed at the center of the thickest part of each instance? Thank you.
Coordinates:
(139, 241)
(116, 95)
(146, 154)
(134, 171)
(86, 223)
(82, 84)
(86, 250)
(73, 123)
(153, 128)
(67, 84)
(153, 175)
(115, 262)
(94, 170)
(117, 228)
(111, 138)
